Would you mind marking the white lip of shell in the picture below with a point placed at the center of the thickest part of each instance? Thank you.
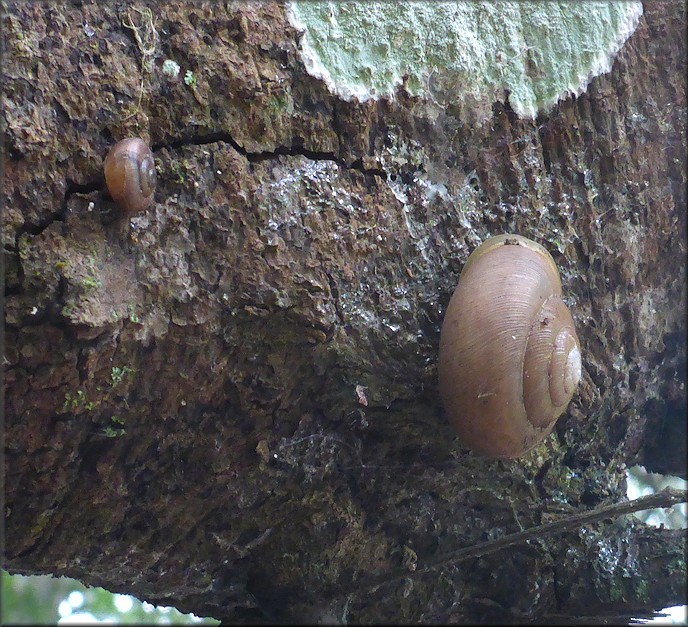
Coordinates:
(574, 369)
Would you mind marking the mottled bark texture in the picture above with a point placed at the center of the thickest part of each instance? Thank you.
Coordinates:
(229, 403)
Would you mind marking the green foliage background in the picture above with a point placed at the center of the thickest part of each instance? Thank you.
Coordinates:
(36, 600)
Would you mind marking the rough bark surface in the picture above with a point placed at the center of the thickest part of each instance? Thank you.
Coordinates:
(229, 403)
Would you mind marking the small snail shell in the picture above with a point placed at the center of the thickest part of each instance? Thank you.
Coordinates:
(130, 174)
(509, 359)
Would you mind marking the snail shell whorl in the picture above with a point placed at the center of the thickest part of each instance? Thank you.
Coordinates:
(509, 359)
(130, 174)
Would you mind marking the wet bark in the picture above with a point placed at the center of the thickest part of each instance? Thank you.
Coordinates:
(229, 403)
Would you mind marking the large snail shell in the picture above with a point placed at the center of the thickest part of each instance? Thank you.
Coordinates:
(130, 174)
(509, 359)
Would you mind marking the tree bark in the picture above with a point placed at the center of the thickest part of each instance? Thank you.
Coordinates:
(229, 402)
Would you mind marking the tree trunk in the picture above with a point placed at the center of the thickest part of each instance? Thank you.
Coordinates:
(229, 402)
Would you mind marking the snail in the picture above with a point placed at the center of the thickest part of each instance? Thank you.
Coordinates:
(509, 360)
(130, 174)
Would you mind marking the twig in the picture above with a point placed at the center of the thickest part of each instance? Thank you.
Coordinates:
(666, 498)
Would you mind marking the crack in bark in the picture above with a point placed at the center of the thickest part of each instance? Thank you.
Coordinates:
(41, 225)
(257, 157)
(335, 297)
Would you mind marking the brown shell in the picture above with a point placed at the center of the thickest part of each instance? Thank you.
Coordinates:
(130, 174)
(509, 359)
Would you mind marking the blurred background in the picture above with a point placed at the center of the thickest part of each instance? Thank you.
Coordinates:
(46, 600)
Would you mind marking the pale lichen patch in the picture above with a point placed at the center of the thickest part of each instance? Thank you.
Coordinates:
(531, 53)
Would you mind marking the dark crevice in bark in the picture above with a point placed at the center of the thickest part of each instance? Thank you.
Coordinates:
(556, 585)
(335, 297)
(59, 215)
(540, 476)
(40, 226)
(15, 287)
(13, 290)
(82, 188)
(257, 157)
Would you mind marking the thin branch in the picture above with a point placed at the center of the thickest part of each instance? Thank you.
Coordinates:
(666, 498)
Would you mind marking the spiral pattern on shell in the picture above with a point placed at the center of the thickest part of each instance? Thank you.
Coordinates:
(509, 359)
(130, 174)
